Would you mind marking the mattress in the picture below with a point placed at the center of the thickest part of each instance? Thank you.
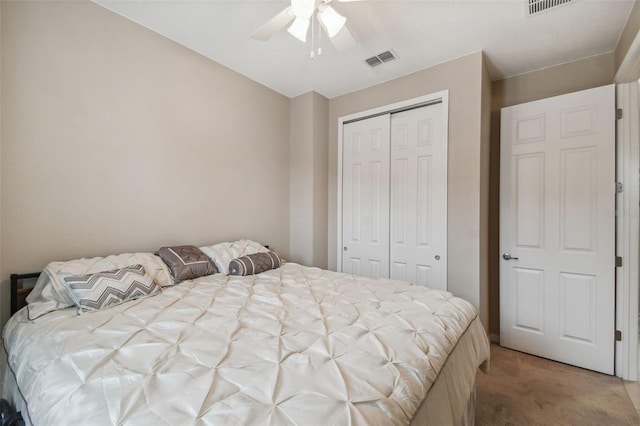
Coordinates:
(295, 345)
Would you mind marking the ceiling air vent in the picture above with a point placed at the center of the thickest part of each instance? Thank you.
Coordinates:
(380, 58)
(537, 6)
(373, 61)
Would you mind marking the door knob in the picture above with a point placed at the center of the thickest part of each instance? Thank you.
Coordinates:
(345, 248)
(507, 256)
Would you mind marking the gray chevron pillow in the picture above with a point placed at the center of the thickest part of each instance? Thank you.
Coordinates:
(94, 292)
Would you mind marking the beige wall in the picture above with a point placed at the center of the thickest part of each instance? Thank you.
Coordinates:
(463, 79)
(558, 80)
(308, 177)
(494, 226)
(320, 176)
(485, 156)
(628, 35)
(116, 139)
(301, 180)
(5, 293)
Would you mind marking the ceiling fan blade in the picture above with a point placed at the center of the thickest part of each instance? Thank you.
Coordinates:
(343, 40)
(300, 28)
(331, 21)
(274, 25)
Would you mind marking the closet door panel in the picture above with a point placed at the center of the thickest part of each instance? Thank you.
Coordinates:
(365, 197)
(418, 191)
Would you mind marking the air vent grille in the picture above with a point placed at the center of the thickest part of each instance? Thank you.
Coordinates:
(537, 6)
(373, 61)
(380, 58)
(386, 56)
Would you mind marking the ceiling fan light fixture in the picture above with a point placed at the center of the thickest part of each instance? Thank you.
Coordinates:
(303, 8)
(331, 20)
(300, 28)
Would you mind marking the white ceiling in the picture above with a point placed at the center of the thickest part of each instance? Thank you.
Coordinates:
(422, 33)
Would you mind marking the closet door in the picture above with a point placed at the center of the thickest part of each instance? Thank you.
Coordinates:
(418, 197)
(365, 213)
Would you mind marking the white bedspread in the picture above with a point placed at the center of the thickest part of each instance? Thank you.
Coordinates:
(295, 345)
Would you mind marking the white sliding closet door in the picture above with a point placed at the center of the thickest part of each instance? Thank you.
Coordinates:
(365, 214)
(418, 197)
(394, 195)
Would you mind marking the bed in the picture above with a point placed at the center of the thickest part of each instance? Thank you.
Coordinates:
(292, 345)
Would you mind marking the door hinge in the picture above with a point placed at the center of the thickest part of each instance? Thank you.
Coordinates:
(618, 113)
(618, 336)
(619, 187)
(618, 261)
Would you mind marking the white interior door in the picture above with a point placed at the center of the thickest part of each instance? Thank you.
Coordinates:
(418, 197)
(557, 227)
(365, 213)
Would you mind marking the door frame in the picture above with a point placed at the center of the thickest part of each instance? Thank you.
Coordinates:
(628, 229)
(443, 97)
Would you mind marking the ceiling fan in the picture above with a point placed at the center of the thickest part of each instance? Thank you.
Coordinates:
(299, 18)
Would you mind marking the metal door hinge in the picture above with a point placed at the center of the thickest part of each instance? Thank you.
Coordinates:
(618, 113)
(619, 187)
(618, 261)
(618, 336)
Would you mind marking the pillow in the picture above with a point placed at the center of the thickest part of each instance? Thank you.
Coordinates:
(254, 263)
(102, 290)
(223, 253)
(186, 262)
(50, 294)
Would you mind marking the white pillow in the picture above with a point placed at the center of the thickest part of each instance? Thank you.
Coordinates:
(50, 294)
(222, 254)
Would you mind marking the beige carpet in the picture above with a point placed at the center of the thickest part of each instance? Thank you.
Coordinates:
(522, 389)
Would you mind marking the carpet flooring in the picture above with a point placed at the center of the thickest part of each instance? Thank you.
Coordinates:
(522, 389)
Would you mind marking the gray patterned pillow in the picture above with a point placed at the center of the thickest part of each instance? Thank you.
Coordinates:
(186, 262)
(94, 292)
(254, 263)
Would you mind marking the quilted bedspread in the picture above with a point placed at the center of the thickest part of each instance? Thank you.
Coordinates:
(294, 345)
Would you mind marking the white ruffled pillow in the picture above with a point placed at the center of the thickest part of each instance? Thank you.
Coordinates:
(50, 294)
(223, 253)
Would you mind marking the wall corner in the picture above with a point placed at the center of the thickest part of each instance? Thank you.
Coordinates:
(485, 167)
(308, 179)
(5, 293)
(626, 54)
(320, 179)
